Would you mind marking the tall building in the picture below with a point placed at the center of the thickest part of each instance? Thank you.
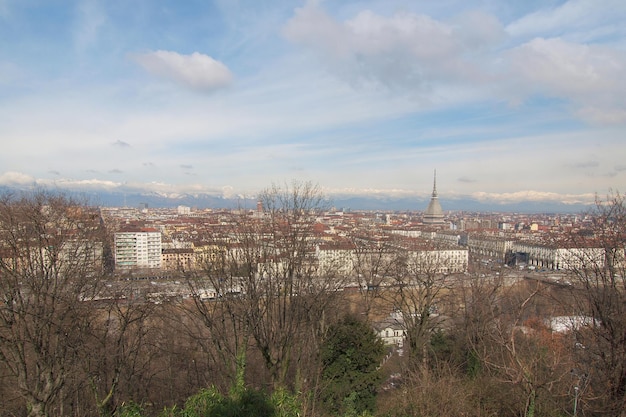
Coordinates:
(434, 213)
(138, 248)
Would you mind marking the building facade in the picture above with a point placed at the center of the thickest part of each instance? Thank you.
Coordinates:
(140, 248)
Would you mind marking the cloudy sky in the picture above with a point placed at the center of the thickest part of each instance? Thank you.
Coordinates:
(507, 100)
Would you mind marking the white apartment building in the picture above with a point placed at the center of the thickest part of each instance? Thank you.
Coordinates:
(438, 260)
(139, 248)
(183, 210)
(336, 259)
(564, 257)
(493, 246)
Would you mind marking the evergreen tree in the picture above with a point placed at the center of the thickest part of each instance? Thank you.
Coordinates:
(350, 356)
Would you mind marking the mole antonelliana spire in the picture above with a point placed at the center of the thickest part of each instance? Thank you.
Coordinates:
(434, 213)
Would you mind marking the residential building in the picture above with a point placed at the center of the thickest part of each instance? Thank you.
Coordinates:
(178, 259)
(138, 248)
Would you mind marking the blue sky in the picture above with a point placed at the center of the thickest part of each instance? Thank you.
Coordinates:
(510, 101)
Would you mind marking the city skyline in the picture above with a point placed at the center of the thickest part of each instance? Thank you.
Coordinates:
(511, 103)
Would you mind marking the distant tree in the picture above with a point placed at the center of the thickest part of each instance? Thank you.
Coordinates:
(50, 264)
(350, 354)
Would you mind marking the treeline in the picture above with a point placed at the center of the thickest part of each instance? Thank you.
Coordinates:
(282, 340)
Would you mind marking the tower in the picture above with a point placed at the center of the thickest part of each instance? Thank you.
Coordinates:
(434, 213)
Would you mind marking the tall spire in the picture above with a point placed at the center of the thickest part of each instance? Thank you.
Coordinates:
(434, 213)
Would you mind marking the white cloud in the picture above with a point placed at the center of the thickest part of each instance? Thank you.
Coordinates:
(227, 191)
(576, 18)
(406, 50)
(590, 76)
(89, 20)
(16, 178)
(602, 116)
(197, 71)
(534, 196)
(568, 69)
(465, 58)
(82, 185)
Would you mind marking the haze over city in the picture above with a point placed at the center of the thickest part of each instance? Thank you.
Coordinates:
(511, 102)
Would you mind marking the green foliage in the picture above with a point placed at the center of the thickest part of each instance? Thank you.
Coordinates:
(351, 408)
(473, 364)
(285, 404)
(241, 402)
(442, 346)
(207, 402)
(211, 403)
(350, 357)
(129, 410)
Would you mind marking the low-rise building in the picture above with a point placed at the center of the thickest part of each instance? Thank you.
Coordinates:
(178, 259)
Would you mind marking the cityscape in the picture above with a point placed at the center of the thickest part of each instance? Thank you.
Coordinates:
(171, 238)
(238, 291)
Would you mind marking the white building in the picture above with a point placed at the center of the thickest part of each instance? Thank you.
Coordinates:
(140, 248)
(492, 246)
(438, 260)
(551, 256)
(391, 331)
(183, 210)
(336, 259)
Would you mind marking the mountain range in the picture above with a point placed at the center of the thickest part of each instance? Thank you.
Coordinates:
(378, 202)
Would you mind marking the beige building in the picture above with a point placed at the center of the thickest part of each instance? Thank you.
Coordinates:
(179, 259)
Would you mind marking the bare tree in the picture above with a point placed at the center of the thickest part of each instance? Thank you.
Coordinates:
(217, 303)
(597, 267)
(50, 261)
(265, 283)
(116, 354)
(510, 347)
(522, 354)
(374, 262)
(479, 298)
(294, 296)
(419, 282)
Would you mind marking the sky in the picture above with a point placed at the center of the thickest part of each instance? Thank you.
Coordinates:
(509, 101)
